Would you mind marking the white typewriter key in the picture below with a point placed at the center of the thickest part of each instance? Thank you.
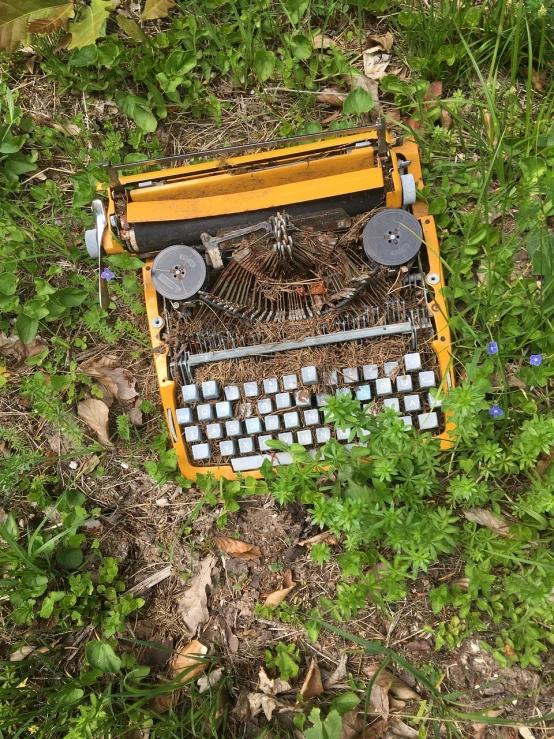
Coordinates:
(432, 398)
(227, 448)
(304, 437)
(251, 389)
(412, 403)
(184, 416)
(286, 437)
(370, 371)
(330, 378)
(322, 435)
(224, 409)
(393, 403)
(426, 379)
(404, 383)
(383, 386)
(428, 421)
(246, 445)
(363, 393)
(282, 458)
(290, 382)
(191, 393)
(292, 420)
(233, 428)
(407, 420)
(311, 417)
(265, 405)
(232, 392)
(193, 434)
(363, 434)
(253, 425)
(321, 400)
(262, 441)
(389, 368)
(205, 412)
(303, 398)
(350, 374)
(272, 423)
(244, 464)
(214, 431)
(210, 390)
(309, 375)
(282, 401)
(271, 386)
(343, 435)
(201, 451)
(412, 362)
(344, 391)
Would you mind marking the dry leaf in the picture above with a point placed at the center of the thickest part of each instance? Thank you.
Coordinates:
(433, 91)
(396, 686)
(538, 79)
(312, 685)
(278, 596)
(188, 660)
(326, 536)
(155, 9)
(116, 380)
(210, 679)
(380, 700)
(192, 605)
(95, 414)
(446, 119)
(525, 732)
(160, 703)
(332, 117)
(399, 728)
(259, 702)
(352, 724)
(135, 414)
(396, 705)
(12, 346)
(53, 22)
(340, 674)
(21, 654)
(488, 519)
(416, 124)
(375, 64)
(288, 582)
(237, 548)
(320, 41)
(65, 127)
(385, 42)
(331, 96)
(271, 687)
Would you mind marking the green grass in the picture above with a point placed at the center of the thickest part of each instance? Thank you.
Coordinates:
(489, 183)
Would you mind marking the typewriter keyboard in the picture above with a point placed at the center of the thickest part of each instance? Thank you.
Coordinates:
(232, 424)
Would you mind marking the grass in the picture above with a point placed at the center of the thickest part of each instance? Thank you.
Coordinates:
(489, 182)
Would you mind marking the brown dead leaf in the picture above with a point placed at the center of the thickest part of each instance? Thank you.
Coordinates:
(488, 519)
(278, 596)
(544, 461)
(135, 414)
(20, 654)
(312, 685)
(446, 119)
(525, 732)
(57, 19)
(538, 79)
(116, 380)
(12, 346)
(192, 605)
(385, 42)
(210, 679)
(396, 705)
(340, 674)
(332, 117)
(160, 703)
(352, 725)
(89, 464)
(186, 664)
(433, 91)
(288, 582)
(462, 583)
(65, 127)
(375, 64)
(271, 687)
(399, 728)
(416, 124)
(320, 41)
(237, 548)
(325, 536)
(396, 686)
(331, 96)
(261, 702)
(379, 699)
(95, 414)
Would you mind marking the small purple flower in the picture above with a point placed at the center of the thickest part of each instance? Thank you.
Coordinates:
(492, 348)
(496, 411)
(107, 274)
(535, 359)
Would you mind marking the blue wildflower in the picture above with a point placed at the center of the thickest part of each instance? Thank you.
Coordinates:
(492, 348)
(535, 359)
(107, 274)
(496, 411)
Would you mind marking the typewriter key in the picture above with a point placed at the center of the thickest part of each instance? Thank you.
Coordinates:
(392, 237)
(178, 272)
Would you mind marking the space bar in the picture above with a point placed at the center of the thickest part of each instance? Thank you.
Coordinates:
(244, 464)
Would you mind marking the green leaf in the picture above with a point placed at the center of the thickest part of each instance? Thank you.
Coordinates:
(43, 287)
(179, 63)
(124, 261)
(70, 499)
(35, 308)
(264, 64)
(357, 102)
(131, 28)
(88, 29)
(16, 14)
(26, 328)
(68, 695)
(69, 557)
(8, 283)
(84, 57)
(438, 205)
(12, 529)
(345, 702)
(35, 584)
(301, 46)
(101, 656)
(47, 608)
(71, 297)
(295, 9)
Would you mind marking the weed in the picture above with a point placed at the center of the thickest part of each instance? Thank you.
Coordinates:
(285, 660)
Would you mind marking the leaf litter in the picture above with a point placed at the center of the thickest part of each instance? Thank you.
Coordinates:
(192, 604)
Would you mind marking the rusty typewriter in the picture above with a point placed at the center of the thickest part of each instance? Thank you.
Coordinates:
(275, 275)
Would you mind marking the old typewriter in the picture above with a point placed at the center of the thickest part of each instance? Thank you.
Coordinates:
(275, 275)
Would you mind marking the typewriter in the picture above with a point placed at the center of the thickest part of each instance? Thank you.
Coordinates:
(275, 275)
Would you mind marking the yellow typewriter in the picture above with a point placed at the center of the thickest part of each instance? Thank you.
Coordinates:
(277, 274)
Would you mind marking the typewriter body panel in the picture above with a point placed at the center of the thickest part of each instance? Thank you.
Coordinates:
(274, 279)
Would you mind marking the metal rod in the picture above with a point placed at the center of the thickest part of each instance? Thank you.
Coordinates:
(333, 338)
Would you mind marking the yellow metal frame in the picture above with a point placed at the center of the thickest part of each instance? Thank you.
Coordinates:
(208, 189)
